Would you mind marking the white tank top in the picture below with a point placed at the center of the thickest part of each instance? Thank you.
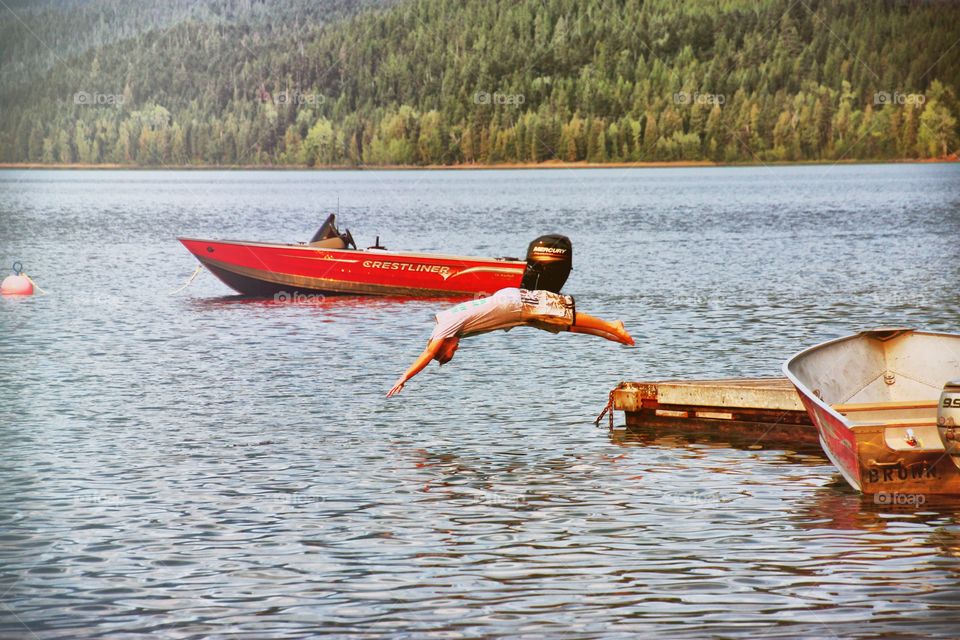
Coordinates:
(502, 310)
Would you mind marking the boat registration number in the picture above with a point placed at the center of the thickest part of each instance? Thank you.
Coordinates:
(899, 473)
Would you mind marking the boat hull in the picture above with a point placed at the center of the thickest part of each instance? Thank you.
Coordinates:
(873, 398)
(268, 269)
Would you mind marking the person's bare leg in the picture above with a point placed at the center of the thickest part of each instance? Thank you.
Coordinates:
(586, 321)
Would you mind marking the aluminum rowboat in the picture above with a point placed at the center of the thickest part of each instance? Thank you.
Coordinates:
(874, 399)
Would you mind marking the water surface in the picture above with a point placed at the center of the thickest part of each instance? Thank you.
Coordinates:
(200, 465)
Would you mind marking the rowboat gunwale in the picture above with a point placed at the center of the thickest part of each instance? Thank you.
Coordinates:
(806, 391)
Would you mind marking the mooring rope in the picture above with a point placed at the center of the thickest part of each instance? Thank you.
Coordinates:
(607, 411)
(186, 284)
(35, 285)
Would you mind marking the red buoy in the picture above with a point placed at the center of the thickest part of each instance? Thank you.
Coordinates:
(18, 284)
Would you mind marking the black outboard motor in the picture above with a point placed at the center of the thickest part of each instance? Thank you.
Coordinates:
(549, 260)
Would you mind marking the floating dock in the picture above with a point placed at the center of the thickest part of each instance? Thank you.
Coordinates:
(767, 409)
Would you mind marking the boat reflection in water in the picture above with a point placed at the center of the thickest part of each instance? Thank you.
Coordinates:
(684, 437)
(831, 505)
(836, 506)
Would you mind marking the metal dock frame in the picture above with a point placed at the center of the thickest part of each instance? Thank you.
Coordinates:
(767, 409)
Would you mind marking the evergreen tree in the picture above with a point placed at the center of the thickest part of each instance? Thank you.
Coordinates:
(438, 81)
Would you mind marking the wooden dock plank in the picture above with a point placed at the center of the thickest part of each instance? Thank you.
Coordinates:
(764, 408)
(754, 393)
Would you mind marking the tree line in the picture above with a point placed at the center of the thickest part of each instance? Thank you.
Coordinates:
(445, 82)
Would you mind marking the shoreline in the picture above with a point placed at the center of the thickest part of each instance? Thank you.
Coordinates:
(550, 164)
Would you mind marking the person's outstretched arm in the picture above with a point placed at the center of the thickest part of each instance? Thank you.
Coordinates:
(596, 327)
(596, 332)
(422, 361)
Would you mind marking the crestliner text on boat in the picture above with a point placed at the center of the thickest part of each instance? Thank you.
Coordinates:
(332, 264)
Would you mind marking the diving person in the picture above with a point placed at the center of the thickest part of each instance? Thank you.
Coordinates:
(506, 309)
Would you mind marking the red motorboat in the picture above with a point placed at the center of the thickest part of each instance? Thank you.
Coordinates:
(332, 264)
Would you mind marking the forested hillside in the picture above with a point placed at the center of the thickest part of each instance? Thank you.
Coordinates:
(291, 82)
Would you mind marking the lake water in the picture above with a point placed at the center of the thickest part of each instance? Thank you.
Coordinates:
(204, 466)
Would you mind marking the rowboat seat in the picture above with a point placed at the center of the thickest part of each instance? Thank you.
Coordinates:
(891, 421)
(885, 406)
(899, 422)
(330, 243)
